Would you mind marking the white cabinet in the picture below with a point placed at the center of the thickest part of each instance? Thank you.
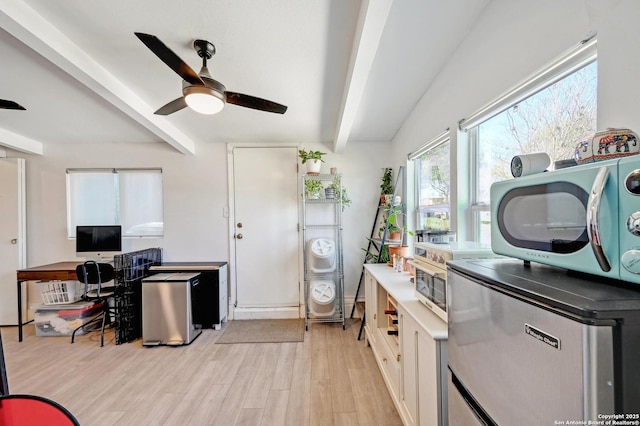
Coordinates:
(386, 347)
(370, 307)
(424, 361)
(410, 358)
(413, 363)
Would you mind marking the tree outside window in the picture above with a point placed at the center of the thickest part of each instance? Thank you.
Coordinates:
(433, 188)
(553, 120)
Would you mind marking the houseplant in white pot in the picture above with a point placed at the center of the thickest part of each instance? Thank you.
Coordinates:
(313, 160)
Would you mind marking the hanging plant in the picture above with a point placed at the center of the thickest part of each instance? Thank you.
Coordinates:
(385, 186)
(335, 185)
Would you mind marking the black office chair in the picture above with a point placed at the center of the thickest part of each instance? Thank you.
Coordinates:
(20, 410)
(94, 275)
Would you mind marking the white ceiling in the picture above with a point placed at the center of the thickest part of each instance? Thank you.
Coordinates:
(348, 70)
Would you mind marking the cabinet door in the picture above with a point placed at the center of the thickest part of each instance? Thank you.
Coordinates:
(370, 305)
(420, 369)
(428, 367)
(409, 366)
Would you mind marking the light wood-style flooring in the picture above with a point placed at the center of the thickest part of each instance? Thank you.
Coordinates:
(329, 379)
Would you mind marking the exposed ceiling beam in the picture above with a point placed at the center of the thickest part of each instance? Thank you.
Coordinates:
(20, 143)
(19, 20)
(371, 23)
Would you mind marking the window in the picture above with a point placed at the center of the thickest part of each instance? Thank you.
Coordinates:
(551, 112)
(128, 197)
(433, 184)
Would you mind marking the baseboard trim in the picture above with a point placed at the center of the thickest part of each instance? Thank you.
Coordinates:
(239, 313)
(266, 313)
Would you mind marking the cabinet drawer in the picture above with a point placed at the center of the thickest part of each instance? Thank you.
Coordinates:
(370, 335)
(389, 363)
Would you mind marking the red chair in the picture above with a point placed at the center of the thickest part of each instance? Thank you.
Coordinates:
(27, 410)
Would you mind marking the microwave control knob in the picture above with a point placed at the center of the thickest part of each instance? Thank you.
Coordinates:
(631, 261)
(633, 223)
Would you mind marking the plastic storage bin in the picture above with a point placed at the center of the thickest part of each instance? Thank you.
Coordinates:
(323, 297)
(321, 255)
(61, 320)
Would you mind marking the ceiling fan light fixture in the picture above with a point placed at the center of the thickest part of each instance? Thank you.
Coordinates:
(203, 100)
(200, 92)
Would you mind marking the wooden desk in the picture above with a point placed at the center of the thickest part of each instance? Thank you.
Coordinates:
(53, 271)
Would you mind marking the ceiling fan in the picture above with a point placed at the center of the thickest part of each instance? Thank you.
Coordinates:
(200, 92)
(4, 104)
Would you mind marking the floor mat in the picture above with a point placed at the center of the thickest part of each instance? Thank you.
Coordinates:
(263, 331)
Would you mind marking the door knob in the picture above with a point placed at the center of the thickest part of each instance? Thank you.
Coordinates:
(14, 241)
(239, 236)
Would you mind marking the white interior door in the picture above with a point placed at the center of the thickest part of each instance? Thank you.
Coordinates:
(265, 197)
(12, 237)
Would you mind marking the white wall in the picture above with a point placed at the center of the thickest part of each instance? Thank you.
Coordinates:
(514, 38)
(195, 193)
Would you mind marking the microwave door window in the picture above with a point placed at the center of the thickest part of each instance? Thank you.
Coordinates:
(422, 283)
(548, 217)
(439, 293)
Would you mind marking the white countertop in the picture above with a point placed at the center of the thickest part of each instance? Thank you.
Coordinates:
(400, 287)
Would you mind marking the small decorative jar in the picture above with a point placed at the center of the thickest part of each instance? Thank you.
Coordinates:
(608, 144)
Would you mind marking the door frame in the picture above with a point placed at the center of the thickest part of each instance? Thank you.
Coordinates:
(20, 233)
(232, 286)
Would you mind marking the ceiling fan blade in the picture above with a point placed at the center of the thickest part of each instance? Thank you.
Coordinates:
(255, 103)
(167, 56)
(4, 104)
(171, 107)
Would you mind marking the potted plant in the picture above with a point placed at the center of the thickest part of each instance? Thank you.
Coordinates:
(386, 189)
(333, 188)
(372, 257)
(394, 233)
(313, 160)
(313, 188)
(394, 223)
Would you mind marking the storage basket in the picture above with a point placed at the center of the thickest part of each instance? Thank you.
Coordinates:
(60, 292)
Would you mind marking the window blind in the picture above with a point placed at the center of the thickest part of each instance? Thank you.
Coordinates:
(119, 196)
(578, 57)
(438, 140)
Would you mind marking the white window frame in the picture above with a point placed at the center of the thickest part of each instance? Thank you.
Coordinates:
(114, 204)
(442, 138)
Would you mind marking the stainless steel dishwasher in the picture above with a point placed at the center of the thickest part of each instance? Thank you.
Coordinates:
(167, 314)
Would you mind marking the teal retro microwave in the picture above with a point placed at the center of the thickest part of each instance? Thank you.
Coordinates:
(584, 218)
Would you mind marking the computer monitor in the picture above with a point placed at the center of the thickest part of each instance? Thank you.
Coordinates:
(98, 242)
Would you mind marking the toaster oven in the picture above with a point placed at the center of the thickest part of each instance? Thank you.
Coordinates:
(430, 270)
